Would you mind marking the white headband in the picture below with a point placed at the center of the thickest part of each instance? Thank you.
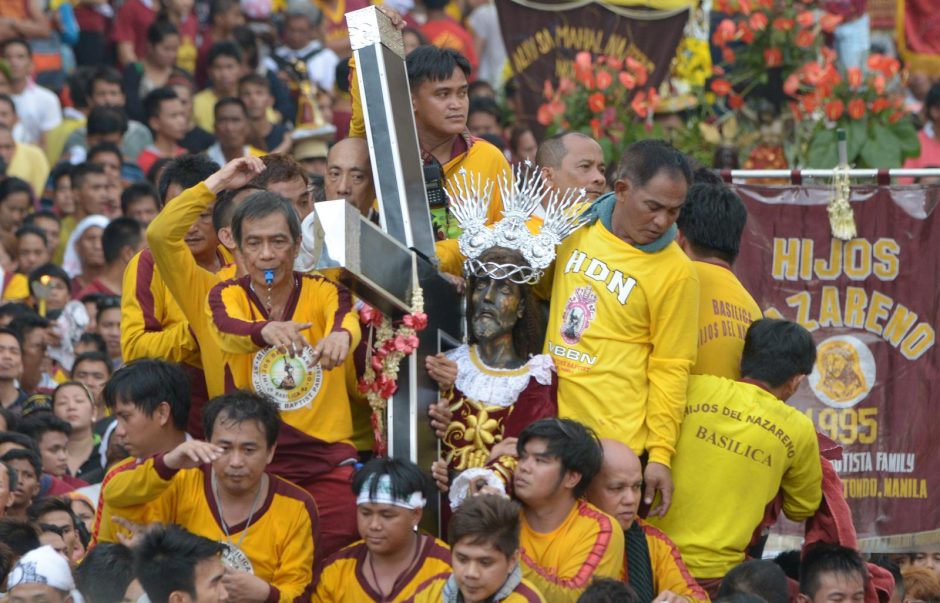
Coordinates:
(384, 496)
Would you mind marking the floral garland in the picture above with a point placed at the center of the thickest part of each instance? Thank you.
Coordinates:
(388, 348)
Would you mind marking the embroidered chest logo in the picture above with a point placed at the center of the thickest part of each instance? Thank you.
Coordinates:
(289, 380)
(234, 559)
(579, 312)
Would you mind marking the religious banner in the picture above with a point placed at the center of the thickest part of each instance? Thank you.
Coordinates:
(872, 305)
(542, 38)
(918, 23)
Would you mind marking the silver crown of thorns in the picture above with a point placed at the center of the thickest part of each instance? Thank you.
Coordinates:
(523, 190)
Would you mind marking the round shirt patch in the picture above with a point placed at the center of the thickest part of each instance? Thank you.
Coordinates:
(234, 559)
(288, 380)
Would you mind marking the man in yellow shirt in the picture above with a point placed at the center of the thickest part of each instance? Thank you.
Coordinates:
(150, 400)
(624, 306)
(438, 81)
(740, 445)
(565, 541)
(221, 489)
(225, 68)
(652, 564)
(27, 160)
(710, 226)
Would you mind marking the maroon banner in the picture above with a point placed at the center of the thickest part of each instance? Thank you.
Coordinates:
(543, 37)
(872, 304)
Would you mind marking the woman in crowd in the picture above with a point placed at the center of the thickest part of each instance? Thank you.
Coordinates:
(74, 403)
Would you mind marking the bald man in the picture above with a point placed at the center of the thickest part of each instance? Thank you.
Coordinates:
(573, 160)
(617, 490)
(349, 174)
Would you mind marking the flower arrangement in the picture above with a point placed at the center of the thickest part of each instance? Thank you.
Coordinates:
(868, 105)
(759, 35)
(388, 347)
(608, 99)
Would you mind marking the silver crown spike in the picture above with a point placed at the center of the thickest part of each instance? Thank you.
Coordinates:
(522, 190)
(563, 214)
(469, 200)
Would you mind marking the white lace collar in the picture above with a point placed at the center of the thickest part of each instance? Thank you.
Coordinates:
(497, 387)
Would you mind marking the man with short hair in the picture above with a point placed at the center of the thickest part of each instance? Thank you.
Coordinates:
(139, 201)
(231, 132)
(255, 91)
(167, 121)
(39, 109)
(483, 117)
(830, 572)
(710, 226)
(40, 575)
(760, 577)
(349, 175)
(28, 161)
(33, 330)
(484, 549)
(90, 188)
(152, 323)
(572, 160)
(123, 238)
(739, 446)
(175, 566)
(624, 305)
(303, 316)
(150, 399)
(28, 467)
(106, 575)
(57, 512)
(565, 540)
(439, 79)
(51, 435)
(12, 397)
(50, 224)
(268, 526)
(225, 68)
(652, 563)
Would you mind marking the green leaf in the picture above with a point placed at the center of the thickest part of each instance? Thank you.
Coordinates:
(607, 146)
(857, 134)
(883, 150)
(823, 150)
(907, 136)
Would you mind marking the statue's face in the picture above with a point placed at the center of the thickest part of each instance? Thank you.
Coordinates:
(497, 306)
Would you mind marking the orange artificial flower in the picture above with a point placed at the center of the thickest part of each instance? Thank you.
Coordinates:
(744, 6)
(627, 80)
(724, 33)
(728, 55)
(809, 103)
(721, 87)
(639, 104)
(805, 38)
(596, 128)
(766, 4)
(797, 114)
(835, 109)
(879, 105)
(547, 91)
(805, 18)
(735, 102)
(566, 86)
(895, 117)
(791, 85)
(604, 79)
(783, 24)
(597, 102)
(856, 108)
(745, 33)
(879, 84)
(773, 57)
(583, 59)
(544, 115)
(854, 77)
(615, 63)
(829, 22)
(758, 21)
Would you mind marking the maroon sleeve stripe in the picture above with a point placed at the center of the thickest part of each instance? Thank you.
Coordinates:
(345, 305)
(144, 295)
(653, 532)
(528, 594)
(233, 326)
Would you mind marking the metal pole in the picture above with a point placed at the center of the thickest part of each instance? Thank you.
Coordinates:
(813, 173)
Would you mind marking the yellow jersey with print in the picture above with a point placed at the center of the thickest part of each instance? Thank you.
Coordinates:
(343, 579)
(738, 448)
(621, 330)
(725, 312)
(561, 564)
(277, 545)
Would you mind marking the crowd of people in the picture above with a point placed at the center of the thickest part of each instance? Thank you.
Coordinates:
(180, 416)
